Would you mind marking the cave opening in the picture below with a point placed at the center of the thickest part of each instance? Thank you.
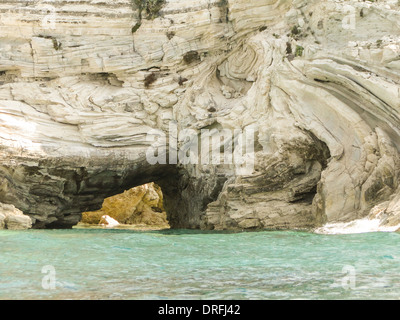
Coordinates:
(89, 193)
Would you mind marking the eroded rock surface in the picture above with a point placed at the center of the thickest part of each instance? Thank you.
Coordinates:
(83, 82)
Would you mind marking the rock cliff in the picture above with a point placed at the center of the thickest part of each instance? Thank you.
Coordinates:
(83, 82)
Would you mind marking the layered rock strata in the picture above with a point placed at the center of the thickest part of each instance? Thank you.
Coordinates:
(82, 83)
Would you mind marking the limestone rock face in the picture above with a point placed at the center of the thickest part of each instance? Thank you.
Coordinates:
(83, 83)
(13, 219)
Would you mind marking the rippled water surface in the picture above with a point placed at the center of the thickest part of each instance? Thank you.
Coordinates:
(181, 264)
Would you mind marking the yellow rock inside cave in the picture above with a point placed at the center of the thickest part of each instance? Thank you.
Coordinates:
(142, 205)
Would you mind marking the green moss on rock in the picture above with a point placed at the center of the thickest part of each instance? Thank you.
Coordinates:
(150, 7)
(299, 51)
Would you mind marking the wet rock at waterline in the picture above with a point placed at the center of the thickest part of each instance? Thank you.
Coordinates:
(81, 91)
(108, 221)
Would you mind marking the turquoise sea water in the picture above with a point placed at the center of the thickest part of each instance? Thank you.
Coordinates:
(182, 264)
